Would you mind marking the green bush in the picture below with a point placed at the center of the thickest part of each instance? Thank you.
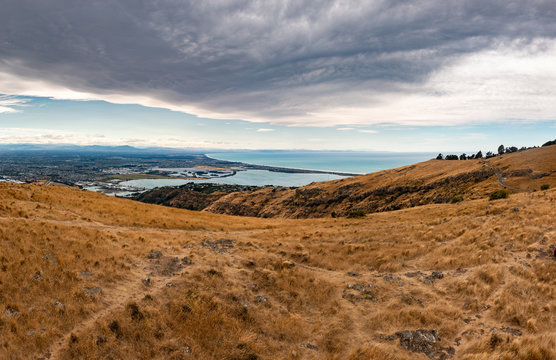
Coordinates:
(545, 186)
(356, 214)
(500, 194)
(456, 199)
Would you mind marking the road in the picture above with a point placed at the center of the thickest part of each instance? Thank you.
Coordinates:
(501, 179)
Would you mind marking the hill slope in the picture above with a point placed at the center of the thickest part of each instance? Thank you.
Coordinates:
(434, 181)
(79, 279)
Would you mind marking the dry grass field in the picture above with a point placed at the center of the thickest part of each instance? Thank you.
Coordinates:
(86, 276)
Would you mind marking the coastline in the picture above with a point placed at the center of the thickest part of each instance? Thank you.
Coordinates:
(250, 166)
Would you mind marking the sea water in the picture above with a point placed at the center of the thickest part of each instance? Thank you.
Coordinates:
(358, 162)
(337, 161)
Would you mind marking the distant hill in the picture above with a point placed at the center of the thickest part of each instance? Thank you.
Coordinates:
(88, 276)
(429, 182)
(93, 148)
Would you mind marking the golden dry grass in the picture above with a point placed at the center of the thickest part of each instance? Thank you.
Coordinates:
(281, 290)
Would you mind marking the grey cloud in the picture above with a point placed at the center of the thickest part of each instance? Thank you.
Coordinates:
(265, 59)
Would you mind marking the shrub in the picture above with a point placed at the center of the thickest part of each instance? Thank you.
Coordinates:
(356, 214)
(456, 199)
(545, 186)
(499, 194)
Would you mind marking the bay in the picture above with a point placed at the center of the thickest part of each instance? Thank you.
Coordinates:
(248, 177)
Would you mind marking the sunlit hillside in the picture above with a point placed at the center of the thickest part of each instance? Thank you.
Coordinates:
(86, 276)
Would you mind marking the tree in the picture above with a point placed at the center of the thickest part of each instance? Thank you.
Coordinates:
(500, 149)
(463, 156)
(452, 157)
(479, 155)
(489, 154)
(440, 157)
(511, 149)
(548, 143)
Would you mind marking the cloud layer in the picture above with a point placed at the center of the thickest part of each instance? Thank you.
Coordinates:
(290, 62)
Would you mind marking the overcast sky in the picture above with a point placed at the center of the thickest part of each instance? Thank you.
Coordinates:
(382, 75)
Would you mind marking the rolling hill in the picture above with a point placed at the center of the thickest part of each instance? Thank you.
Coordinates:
(86, 276)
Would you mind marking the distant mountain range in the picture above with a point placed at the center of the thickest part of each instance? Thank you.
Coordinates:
(96, 148)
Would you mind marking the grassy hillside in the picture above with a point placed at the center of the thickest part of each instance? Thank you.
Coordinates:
(81, 278)
(430, 182)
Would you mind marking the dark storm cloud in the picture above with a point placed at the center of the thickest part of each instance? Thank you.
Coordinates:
(265, 59)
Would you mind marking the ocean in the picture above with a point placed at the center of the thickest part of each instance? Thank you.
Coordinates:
(338, 161)
(358, 162)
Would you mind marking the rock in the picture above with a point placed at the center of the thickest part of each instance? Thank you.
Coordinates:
(219, 246)
(413, 274)
(37, 276)
(155, 254)
(169, 284)
(437, 275)
(422, 341)
(260, 299)
(85, 274)
(186, 261)
(392, 278)
(359, 292)
(358, 287)
(92, 291)
(59, 306)
(309, 346)
(433, 277)
(511, 331)
(49, 256)
(353, 273)
(147, 281)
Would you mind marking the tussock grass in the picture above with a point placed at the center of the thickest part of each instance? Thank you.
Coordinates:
(283, 289)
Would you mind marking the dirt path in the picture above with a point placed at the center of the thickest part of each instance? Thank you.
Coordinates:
(116, 297)
(501, 179)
